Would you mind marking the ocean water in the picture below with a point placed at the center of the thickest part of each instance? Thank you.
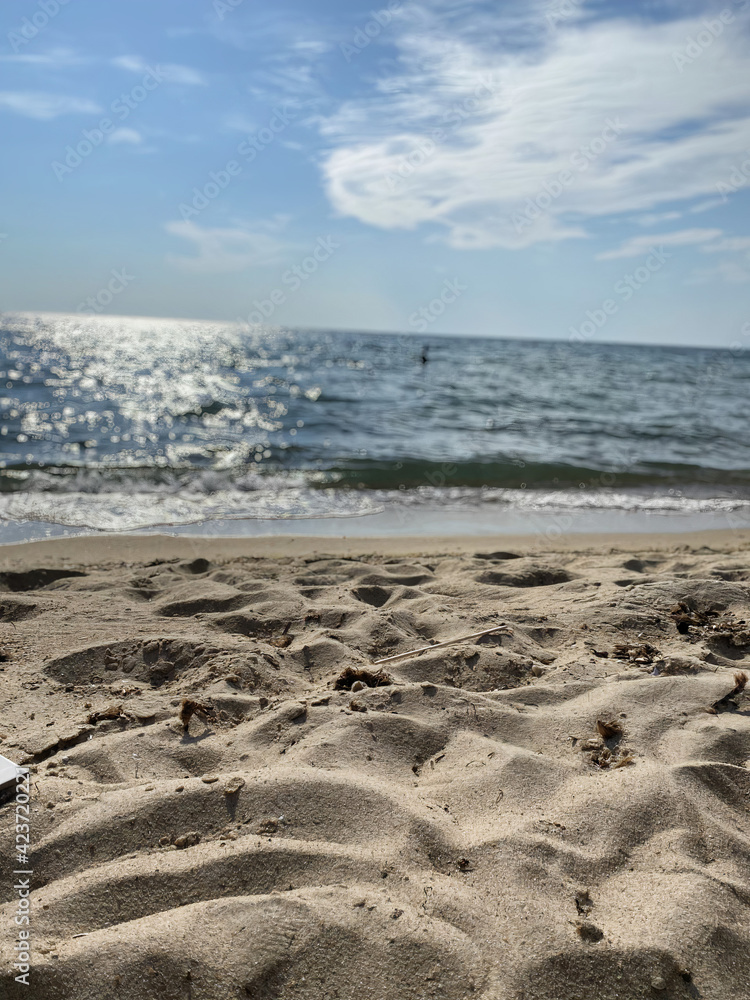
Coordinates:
(117, 424)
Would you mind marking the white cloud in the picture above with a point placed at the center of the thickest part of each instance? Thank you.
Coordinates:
(549, 100)
(732, 244)
(220, 250)
(238, 122)
(656, 218)
(285, 55)
(311, 47)
(706, 206)
(133, 64)
(730, 272)
(126, 135)
(733, 270)
(171, 72)
(43, 106)
(182, 74)
(57, 58)
(639, 245)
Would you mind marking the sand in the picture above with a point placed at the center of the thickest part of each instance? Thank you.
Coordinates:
(458, 830)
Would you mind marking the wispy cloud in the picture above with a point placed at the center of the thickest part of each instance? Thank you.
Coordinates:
(125, 135)
(656, 218)
(239, 122)
(734, 269)
(55, 58)
(707, 205)
(730, 272)
(227, 249)
(311, 46)
(171, 72)
(44, 106)
(287, 54)
(733, 244)
(552, 94)
(639, 245)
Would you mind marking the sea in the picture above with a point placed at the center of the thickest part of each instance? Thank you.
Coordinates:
(119, 424)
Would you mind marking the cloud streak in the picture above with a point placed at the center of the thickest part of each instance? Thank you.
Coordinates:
(223, 250)
(639, 245)
(45, 106)
(171, 72)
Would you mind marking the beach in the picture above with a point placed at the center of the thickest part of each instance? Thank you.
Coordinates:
(375, 500)
(230, 798)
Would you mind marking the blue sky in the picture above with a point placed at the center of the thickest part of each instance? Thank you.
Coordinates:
(535, 169)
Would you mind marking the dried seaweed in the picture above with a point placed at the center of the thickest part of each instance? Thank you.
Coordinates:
(730, 700)
(605, 750)
(642, 652)
(584, 903)
(189, 708)
(608, 730)
(110, 712)
(369, 678)
(284, 640)
(714, 625)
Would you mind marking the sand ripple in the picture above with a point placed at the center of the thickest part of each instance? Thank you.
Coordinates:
(460, 833)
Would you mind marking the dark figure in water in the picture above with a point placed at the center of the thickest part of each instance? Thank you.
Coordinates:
(424, 356)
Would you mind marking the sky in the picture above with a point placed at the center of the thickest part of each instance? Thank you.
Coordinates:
(565, 169)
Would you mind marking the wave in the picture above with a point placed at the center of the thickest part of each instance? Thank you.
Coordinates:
(517, 474)
(136, 509)
(403, 474)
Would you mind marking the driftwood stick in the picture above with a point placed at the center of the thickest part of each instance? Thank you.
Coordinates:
(448, 642)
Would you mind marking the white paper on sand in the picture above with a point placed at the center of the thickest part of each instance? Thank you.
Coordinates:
(8, 772)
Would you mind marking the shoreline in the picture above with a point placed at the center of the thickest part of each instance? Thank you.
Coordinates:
(94, 549)
(393, 519)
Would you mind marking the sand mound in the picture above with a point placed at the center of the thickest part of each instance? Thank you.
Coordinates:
(557, 814)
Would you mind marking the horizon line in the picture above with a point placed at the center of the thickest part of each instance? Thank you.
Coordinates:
(46, 313)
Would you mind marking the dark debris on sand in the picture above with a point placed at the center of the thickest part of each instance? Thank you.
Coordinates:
(370, 678)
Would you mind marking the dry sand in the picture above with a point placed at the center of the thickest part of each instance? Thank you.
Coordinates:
(460, 832)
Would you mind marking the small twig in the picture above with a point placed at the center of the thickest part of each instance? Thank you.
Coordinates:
(448, 642)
